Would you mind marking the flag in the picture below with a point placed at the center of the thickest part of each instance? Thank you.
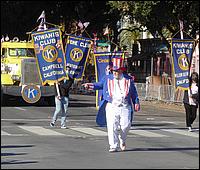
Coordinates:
(182, 50)
(42, 25)
(41, 16)
(2, 38)
(76, 55)
(49, 55)
(106, 31)
(80, 25)
(83, 26)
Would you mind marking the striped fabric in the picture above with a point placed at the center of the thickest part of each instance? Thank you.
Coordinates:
(42, 25)
(124, 88)
(118, 63)
(110, 87)
(90, 86)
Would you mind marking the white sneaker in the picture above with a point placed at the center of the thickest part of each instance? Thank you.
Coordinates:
(52, 124)
(63, 127)
(113, 150)
(189, 129)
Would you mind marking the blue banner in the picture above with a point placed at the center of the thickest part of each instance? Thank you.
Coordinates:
(103, 60)
(77, 52)
(182, 55)
(50, 55)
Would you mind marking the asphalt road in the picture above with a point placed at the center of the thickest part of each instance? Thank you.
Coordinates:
(158, 138)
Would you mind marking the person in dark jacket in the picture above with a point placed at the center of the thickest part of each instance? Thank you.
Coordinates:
(191, 100)
(62, 99)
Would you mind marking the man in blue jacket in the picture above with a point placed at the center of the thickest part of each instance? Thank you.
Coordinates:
(119, 95)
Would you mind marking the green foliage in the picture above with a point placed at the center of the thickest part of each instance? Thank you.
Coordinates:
(19, 17)
(162, 16)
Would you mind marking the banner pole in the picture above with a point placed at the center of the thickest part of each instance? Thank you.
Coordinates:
(57, 88)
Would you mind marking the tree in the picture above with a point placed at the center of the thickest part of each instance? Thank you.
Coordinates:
(162, 17)
(19, 17)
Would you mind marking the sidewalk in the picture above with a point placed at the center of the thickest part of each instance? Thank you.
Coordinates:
(158, 105)
(163, 105)
(154, 103)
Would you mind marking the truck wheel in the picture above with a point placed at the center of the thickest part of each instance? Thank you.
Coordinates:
(4, 99)
(1, 98)
(51, 100)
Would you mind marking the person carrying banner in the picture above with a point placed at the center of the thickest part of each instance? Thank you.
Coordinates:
(191, 100)
(62, 99)
(119, 94)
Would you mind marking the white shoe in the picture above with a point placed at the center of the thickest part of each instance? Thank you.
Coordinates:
(63, 127)
(189, 129)
(113, 150)
(52, 124)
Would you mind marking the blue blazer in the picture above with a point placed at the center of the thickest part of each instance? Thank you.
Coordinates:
(132, 96)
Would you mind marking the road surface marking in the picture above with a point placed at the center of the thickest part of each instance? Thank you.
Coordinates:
(146, 133)
(182, 132)
(4, 133)
(95, 132)
(48, 119)
(41, 131)
(19, 108)
(90, 131)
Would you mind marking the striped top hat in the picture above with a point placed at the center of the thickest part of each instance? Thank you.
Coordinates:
(118, 64)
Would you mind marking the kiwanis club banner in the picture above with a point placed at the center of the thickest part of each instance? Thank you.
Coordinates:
(50, 55)
(182, 55)
(103, 61)
(77, 51)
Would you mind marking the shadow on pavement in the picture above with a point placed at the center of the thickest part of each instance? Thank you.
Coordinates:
(12, 154)
(17, 162)
(19, 102)
(163, 149)
(12, 161)
(16, 146)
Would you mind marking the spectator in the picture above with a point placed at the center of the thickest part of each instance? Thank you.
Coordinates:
(191, 100)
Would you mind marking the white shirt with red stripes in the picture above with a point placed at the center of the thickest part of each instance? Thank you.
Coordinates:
(118, 90)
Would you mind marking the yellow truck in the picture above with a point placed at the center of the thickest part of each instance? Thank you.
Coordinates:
(19, 68)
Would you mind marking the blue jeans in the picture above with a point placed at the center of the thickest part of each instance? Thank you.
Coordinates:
(61, 106)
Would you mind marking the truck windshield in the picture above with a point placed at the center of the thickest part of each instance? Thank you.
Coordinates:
(22, 52)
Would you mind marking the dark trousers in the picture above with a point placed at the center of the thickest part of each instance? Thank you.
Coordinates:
(191, 113)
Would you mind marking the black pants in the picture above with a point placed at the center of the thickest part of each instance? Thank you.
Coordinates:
(191, 113)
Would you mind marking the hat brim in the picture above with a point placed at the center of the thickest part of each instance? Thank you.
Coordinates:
(121, 68)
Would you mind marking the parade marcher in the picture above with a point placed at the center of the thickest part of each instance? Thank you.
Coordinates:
(62, 99)
(191, 100)
(119, 94)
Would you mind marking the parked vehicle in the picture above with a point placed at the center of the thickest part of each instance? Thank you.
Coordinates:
(19, 68)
